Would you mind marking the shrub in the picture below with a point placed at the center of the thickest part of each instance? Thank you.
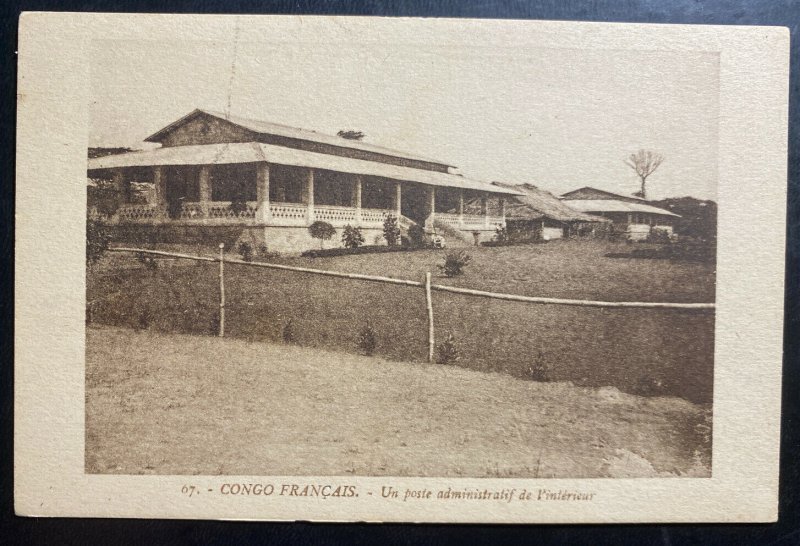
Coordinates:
(352, 237)
(144, 319)
(97, 240)
(476, 236)
(658, 235)
(246, 251)
(322, 231)
(147, 260)
(416, 236)
(367, 340)
(391, 231)
(651, 386)
(447, 351)
(539, 370)
(501, 235)
(288, 333)
(454, 263)
(366, 249)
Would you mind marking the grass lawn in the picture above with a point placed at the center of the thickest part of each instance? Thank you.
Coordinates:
(177, 404)
(661, 352)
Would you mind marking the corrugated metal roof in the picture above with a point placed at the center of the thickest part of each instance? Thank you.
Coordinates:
(536, 203)
(612, 205)
(269, 128)
(252, 152)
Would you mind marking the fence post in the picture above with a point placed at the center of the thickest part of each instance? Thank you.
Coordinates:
(429, 305)
(221, 290)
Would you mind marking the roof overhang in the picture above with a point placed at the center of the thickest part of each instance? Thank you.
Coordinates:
(612, 205)
(254, 152)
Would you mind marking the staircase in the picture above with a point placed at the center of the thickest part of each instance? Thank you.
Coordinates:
(453, 237)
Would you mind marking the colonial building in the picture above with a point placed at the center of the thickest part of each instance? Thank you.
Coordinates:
(630, 215)
(537, 214)
(269, 182)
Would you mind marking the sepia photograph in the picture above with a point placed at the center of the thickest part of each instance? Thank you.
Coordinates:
(400, 261)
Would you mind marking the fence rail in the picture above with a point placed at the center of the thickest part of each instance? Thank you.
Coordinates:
(426, 284)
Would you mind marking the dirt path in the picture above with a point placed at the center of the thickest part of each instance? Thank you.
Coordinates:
(176, 404)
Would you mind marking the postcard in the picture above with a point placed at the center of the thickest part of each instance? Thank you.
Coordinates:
(395, 269)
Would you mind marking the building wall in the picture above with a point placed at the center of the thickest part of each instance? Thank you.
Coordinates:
(293, 240)
(551, 233)
(207, 130)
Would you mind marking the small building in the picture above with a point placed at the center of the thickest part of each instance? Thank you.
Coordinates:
(266, 183)
(630, 215)
(537, 214)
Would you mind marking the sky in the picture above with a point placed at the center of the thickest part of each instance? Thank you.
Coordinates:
(557, 118)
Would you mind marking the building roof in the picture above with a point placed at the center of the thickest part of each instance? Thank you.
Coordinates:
(614, 205)
(253, 152)
(269, 128)
(588, 192)
(536, 203)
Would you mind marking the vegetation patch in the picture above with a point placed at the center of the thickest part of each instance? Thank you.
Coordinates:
(658, 351)
(344, 251)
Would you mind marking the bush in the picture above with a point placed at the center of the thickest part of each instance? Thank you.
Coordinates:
(97, 239)
(659, 236)
(367, 340)
(651, 386)
(539, 370)
(366, 249)
(352, 237)
(147, 260)
(416, 236)
(447, 351)
(501, 235)
(454, 263)
(246, 251)
(391, 231)
(322, 231)
(288, 333)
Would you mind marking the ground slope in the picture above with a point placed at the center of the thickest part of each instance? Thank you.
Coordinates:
(179, 404)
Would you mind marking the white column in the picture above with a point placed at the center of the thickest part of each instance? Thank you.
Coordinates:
(431, 205)
(398, 200)
(357, 199)
(461, 207)
(310, 196)
(204, 187)
(503, 210)
(485, 210)
(262, 192)
(122, 186)
(160, 182)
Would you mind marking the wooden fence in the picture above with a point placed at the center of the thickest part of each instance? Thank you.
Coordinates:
(425, 284)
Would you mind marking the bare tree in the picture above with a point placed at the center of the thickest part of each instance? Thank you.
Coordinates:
(644, 162)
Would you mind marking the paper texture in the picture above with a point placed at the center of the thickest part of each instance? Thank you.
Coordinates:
(609, 375)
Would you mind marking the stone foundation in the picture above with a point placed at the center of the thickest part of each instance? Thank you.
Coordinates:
(285, 240)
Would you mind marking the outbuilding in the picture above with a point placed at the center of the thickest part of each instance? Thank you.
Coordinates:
(632, 216)
(537, 214)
